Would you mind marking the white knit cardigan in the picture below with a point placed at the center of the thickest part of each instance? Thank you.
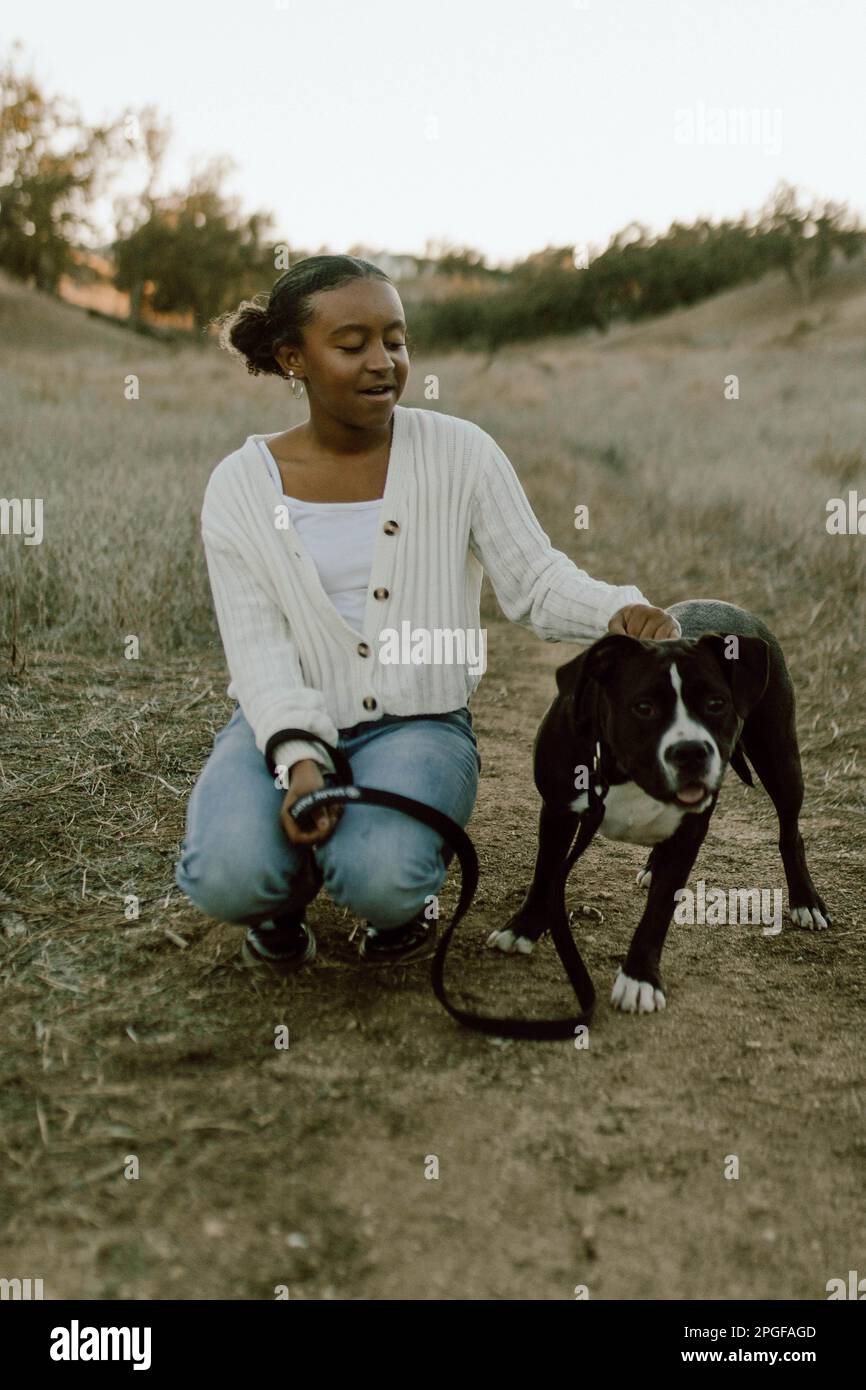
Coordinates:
(453, 507)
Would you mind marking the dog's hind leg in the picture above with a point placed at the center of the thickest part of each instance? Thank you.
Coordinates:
(546, 893)
(771, 744)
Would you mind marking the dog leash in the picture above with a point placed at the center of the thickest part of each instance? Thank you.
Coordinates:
(505, 1027)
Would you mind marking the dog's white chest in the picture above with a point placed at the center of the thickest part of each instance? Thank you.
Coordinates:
(631, 815)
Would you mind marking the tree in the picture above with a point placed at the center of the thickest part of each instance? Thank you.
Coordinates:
(196, 248)
(52, 166)
(139, 234)
(804, 237)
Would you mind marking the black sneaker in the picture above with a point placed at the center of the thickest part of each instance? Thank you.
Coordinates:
(414, 940)
(280, 949)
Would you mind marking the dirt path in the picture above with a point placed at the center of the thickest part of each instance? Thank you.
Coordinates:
(306, 1167)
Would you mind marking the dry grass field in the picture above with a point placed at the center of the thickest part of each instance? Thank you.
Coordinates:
(305, 1167)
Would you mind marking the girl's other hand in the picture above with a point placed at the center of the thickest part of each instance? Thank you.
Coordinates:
(306, 776)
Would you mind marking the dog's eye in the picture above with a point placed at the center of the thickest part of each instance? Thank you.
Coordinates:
(644, 708)
(715, 704)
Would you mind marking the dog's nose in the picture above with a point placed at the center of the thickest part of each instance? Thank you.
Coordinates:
(689, 755)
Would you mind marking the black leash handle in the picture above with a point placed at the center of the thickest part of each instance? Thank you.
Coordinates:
(454, 835)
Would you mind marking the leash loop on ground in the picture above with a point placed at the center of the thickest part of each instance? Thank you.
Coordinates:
(456, 837)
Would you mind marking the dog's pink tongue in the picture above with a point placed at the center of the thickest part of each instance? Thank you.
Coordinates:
(696, 792)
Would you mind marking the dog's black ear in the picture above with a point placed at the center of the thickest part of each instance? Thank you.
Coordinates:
(595, 664)
(745, 664)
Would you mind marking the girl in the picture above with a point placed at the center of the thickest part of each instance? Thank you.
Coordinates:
(369, 521)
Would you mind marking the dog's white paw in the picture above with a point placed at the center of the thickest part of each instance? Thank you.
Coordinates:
(636, 996)
(812, 918)
(643, 878)
(508, 941)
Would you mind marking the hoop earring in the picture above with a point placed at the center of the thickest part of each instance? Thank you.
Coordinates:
(296, 382)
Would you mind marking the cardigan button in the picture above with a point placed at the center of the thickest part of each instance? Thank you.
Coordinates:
(369, 702)
(380, 593)
(363, 649)
(391, 527)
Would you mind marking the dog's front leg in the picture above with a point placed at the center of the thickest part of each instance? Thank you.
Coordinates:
(546, 893)
(638, 985)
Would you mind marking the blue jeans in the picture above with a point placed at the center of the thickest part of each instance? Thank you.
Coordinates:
(237, 864)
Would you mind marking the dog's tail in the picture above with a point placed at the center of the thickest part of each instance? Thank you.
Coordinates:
(741, 767)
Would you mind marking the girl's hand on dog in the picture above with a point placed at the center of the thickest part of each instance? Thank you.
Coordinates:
(642, 620)
(306, 776)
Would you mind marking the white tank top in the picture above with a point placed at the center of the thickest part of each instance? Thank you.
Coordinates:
(340, 538)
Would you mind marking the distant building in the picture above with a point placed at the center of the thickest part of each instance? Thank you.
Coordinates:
(398, 267)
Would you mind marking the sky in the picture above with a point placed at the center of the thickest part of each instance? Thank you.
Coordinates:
(501, 125)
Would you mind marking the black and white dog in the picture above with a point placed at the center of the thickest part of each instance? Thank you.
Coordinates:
(652, 725)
